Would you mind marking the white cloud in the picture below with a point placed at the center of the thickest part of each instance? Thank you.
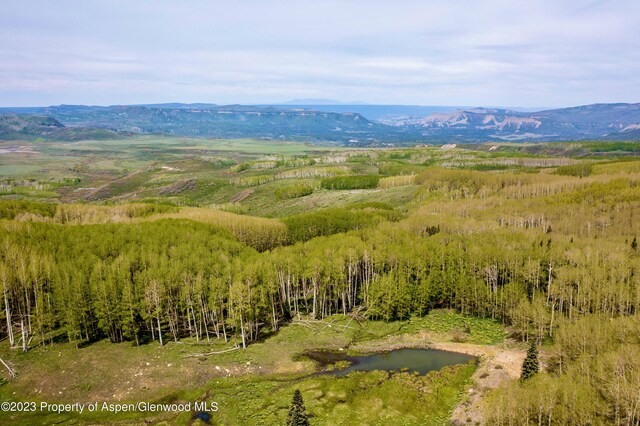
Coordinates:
(419, 52)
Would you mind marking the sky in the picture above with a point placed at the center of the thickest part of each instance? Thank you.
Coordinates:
(549, 53)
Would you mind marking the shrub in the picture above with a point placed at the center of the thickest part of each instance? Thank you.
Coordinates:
(293, 191)
(459, 336)
(11, 209)
(351, 182)
(578, 170)
(303, 227)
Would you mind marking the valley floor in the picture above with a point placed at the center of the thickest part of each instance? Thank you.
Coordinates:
(254, 386)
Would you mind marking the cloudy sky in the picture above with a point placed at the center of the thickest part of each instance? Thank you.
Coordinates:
(464, 52)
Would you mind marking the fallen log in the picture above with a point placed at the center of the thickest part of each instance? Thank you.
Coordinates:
(235, 348)
(11, 371)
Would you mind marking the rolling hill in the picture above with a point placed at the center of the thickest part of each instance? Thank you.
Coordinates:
(33, 127)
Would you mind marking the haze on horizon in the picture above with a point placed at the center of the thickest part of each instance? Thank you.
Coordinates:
(536, 53)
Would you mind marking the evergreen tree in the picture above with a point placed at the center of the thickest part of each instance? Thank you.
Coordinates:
(297, 413)
(530, 366)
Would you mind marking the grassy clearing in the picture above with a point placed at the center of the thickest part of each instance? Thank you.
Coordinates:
(252, 387)
(225, 145)
(261, 202)
(35, 165)
(373, 398)
(398, 169)
(484, 331)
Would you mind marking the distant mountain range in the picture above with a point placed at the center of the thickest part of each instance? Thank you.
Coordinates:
(232, 121)
(597, 122)
(29, 127)
(354, 125)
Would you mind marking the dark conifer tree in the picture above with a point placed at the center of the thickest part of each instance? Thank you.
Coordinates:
(530, 366)
(297, 413)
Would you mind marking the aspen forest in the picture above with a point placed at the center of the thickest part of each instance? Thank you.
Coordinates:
(543, 246)
(329, 213)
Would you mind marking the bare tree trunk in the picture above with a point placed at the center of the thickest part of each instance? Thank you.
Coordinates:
(550, 271)
(553, 310)
(216, 324)
(7, 310)
(24, 335)
(189, 322)
(173, 325)
(205, 316)
(274, 316)
(224, 329)
(244, 344)
(195, 323)
(159, 329)
(315, 297)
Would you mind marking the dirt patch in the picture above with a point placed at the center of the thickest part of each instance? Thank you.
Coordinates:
(107, 190)
(498, 364)
(242, 195)
(98, 194)
(178, 187)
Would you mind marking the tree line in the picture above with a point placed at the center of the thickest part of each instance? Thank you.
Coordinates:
(175, 278)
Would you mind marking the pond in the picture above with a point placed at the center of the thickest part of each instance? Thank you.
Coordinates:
(419, 360)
